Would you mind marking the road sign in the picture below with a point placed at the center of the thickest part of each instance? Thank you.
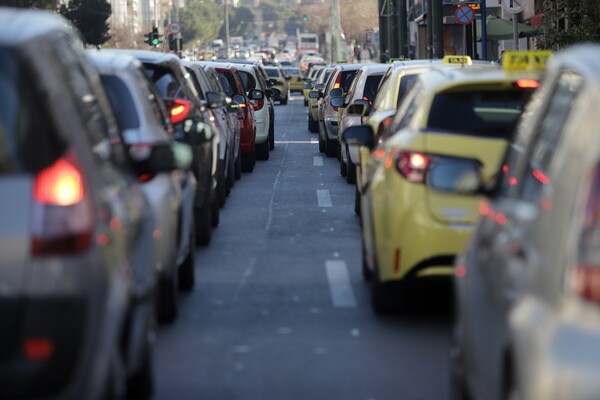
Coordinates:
(174, 27)
(464, 14)
(514, 6)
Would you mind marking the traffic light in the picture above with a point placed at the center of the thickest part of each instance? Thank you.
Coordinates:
(148, 38)
(157, 38)
(305, 18)
(174, 44)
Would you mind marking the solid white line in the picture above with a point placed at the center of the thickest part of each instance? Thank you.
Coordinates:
(318, 161)
(314, 141)
(323, 198)
(342, 294)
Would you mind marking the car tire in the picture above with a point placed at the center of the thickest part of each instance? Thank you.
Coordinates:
(272, 134)
(321, 145)
(357, 203)
(458, 385)
(351, 172)
(248, 161)
(238, 167)
(283, 102)
(312, 125)
(140, 385)
(366, 272)
(215, 210)
(331, 148)
(168, 307)
(262, 150)
(221, 185)
(187, 269)
(230, 175)
(305, 103)
(115, 387)
(203, 225)
(343, 168)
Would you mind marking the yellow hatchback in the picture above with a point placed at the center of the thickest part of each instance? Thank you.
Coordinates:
(451, 123)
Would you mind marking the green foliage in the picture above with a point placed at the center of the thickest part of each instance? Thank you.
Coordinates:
(41, 4)
(200, 21)
(567, 22)
(90, 17)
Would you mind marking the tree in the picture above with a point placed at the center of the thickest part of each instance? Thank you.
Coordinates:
(567, 22)
(241, 22)
(40, 4)
(90, 17)
(200, 21)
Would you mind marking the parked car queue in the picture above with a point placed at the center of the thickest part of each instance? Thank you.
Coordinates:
(114, 165)
(485, 178)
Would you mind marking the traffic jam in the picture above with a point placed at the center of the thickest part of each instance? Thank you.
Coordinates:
(236, 228)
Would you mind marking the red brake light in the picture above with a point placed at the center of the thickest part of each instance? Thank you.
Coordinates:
(412, 166)
(180, 110)
(528, 83)
(62, 217)
(38, 348)
(60, 184)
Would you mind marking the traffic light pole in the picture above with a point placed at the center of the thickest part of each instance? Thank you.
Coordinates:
(402, 29)
(226, 12)
(437, 31)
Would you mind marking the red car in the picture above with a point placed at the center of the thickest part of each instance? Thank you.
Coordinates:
(234, 89)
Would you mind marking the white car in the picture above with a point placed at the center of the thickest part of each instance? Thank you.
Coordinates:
(251, 79)
(144, 120)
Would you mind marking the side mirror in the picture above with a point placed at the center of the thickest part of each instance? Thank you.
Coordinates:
(256, 94)
(198, 132)
(361, 135)
(238, 98)
(338, 92)
(161, 157)
(455, 175)
(313, 94)
(337, 101)
(356, 110)
(308, 86)
(276, 92)
(216, 100)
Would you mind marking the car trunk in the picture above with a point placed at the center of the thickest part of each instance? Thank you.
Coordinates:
(451, 208)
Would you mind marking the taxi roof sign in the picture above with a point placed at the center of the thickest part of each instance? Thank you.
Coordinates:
(465, 60)
(525, 61)
(391, 60)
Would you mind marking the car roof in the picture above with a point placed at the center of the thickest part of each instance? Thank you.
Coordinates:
(147, 55)
(375, 68)
(112, 61)
(22, 25)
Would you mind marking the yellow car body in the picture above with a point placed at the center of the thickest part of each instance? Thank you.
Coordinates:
(313, 104)
(411, 230)
(309, 85)
(296, 81)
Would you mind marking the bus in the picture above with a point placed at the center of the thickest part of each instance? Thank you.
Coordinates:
(308, 42)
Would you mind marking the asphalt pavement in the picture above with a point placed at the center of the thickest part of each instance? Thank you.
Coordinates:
(280, 310)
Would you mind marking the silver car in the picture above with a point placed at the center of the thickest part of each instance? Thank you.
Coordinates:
(76, 249)
(143, 121)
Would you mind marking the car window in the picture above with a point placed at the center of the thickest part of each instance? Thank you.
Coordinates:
(492, 112)
(196, 82)
(406, 82)
(165, 81)
(384, 86)
(247, 80)
(292, 71)
(371, 86)
(352, 87)
(347, 78)
(273, 73)
(24, 116)
(548, 135)
(121, 101)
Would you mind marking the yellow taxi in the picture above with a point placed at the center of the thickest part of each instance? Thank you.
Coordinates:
(296, 81)
(452, 123)
(313, 102)
(310, 81)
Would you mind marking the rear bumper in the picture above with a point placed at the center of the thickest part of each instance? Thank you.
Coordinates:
(61, 322)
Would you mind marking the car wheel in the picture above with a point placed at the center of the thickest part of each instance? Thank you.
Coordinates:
(366, 272)
(230, 175)
(458, 386)
(272, 134)
(140, 385)
(168, 299)
(221, 185)
(321, 145)
(203, 225)
(248, 161)
(357, 203)
(215, 213)
(116, 384)
(283, 101)
(305, 103)
(262, 150)
(343, 168)
(187, 270)
(351, 175)
(238, 167)
(312, 125)
(331, 147)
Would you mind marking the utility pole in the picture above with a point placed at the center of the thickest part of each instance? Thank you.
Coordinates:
(429, 28)
(483, 30)
(402, 29)
(437, 33)
(226, 13)
(335, 24)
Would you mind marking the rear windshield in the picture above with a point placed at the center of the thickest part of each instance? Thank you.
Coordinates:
(165, 81)
(405, 83)
(228, 82)
(347, 78)
(371, 86)
(292, 71)
(485, 113)
(29, 140)
(121, 102)
(273, 73)
(247, 80)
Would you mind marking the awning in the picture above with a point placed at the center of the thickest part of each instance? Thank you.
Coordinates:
(502, 29)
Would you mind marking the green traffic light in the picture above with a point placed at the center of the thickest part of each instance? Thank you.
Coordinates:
(155, 42)
(305, 18)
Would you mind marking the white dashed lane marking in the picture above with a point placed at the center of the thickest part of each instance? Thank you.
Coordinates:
(342, 294)
(323, 198)
(318, 161)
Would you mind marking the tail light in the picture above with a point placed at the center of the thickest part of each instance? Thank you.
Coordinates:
(528, 83)
(180, 110)
(338, 81)
(62, 213)
(412, 165)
